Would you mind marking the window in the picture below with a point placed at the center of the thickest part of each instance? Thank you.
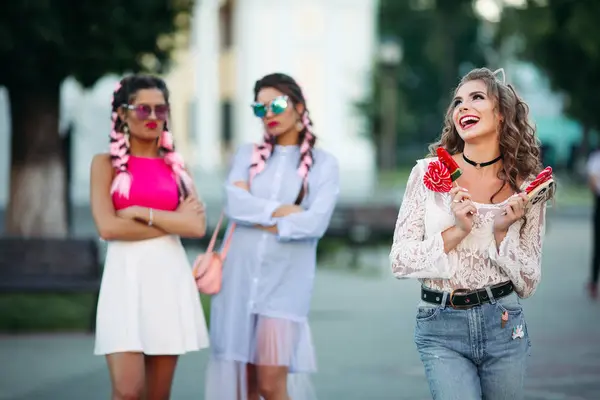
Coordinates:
(226, 125)
(226, 25)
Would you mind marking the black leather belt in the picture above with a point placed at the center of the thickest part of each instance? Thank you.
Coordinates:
(466, 298)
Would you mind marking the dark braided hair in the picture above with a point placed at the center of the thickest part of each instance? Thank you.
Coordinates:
(119, 141)
(287, 85)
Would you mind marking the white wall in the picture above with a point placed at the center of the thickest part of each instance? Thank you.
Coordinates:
(207, 114)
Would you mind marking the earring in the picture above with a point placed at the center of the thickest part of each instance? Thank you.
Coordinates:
(299, 126)
(126, 133)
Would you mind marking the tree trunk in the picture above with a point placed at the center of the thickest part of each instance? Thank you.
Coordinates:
(37, 206)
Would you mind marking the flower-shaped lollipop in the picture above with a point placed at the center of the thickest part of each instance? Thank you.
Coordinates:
(442, 173)
(437, 177)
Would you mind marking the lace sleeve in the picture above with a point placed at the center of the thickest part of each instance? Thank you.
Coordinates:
(520, 253)
(413, 255)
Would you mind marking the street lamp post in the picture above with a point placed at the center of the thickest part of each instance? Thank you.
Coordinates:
(390, 56)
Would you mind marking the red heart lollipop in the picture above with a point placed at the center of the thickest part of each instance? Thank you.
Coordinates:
(448, 161)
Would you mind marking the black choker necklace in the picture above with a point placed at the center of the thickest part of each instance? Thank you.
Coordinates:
(483, 164)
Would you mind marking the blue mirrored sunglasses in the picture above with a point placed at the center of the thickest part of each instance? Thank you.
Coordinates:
(277, 106)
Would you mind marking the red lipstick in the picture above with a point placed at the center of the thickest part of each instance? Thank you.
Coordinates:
(272, 124)
(151, 125)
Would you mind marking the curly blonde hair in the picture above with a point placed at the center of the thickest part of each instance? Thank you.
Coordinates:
(519, 145)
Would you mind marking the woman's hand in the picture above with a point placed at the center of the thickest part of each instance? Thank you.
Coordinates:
(463, 209)
(286, 210)
(191, 205)
(242, 185)
(513, 211)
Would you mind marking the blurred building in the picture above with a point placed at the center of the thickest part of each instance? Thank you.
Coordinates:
(327, 46)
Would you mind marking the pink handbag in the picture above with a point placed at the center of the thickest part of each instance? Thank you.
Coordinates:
(208, 267)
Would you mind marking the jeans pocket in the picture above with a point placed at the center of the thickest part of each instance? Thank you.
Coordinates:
(426, 313)
(511, 305)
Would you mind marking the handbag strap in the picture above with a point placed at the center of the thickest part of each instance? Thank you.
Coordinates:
(213, 239)
(227, 242)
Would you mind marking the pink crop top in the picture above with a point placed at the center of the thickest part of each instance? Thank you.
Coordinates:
(153, 185)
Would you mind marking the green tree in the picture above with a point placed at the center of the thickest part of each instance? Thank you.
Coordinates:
(440, 41)
(42, 43)
(562, 38)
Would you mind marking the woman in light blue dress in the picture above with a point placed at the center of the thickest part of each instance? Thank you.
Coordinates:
(280, 194)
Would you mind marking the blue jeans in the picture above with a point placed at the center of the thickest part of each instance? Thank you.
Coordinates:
(468, 355)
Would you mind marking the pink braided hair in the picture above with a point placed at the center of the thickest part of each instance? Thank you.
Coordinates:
(175, 161)
(260, 155)
(306, 156)
(263, 151)
(119, 153)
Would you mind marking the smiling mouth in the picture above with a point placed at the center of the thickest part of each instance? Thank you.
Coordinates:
(468, 121)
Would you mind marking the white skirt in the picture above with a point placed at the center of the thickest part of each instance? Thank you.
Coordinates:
(148, 300)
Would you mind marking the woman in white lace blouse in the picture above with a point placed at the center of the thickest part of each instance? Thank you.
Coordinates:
(477, 249)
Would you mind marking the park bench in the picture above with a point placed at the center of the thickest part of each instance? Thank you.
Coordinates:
(361, 226)
(34, 265)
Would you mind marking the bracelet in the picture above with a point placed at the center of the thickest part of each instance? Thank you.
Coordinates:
(150, 220)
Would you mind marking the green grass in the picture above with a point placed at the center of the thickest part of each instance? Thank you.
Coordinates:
(48, 312)
(205, 300)
(45, 312)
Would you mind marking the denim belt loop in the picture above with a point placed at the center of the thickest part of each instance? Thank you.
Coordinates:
(490, 295)
(444, 300)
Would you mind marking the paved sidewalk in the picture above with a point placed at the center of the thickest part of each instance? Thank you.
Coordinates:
(363, 331)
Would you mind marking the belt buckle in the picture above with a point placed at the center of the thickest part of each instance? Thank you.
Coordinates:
(453, 293)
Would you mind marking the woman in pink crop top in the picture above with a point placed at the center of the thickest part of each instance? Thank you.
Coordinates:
(143, 200)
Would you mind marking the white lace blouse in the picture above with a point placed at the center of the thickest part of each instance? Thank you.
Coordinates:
(418, 248)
